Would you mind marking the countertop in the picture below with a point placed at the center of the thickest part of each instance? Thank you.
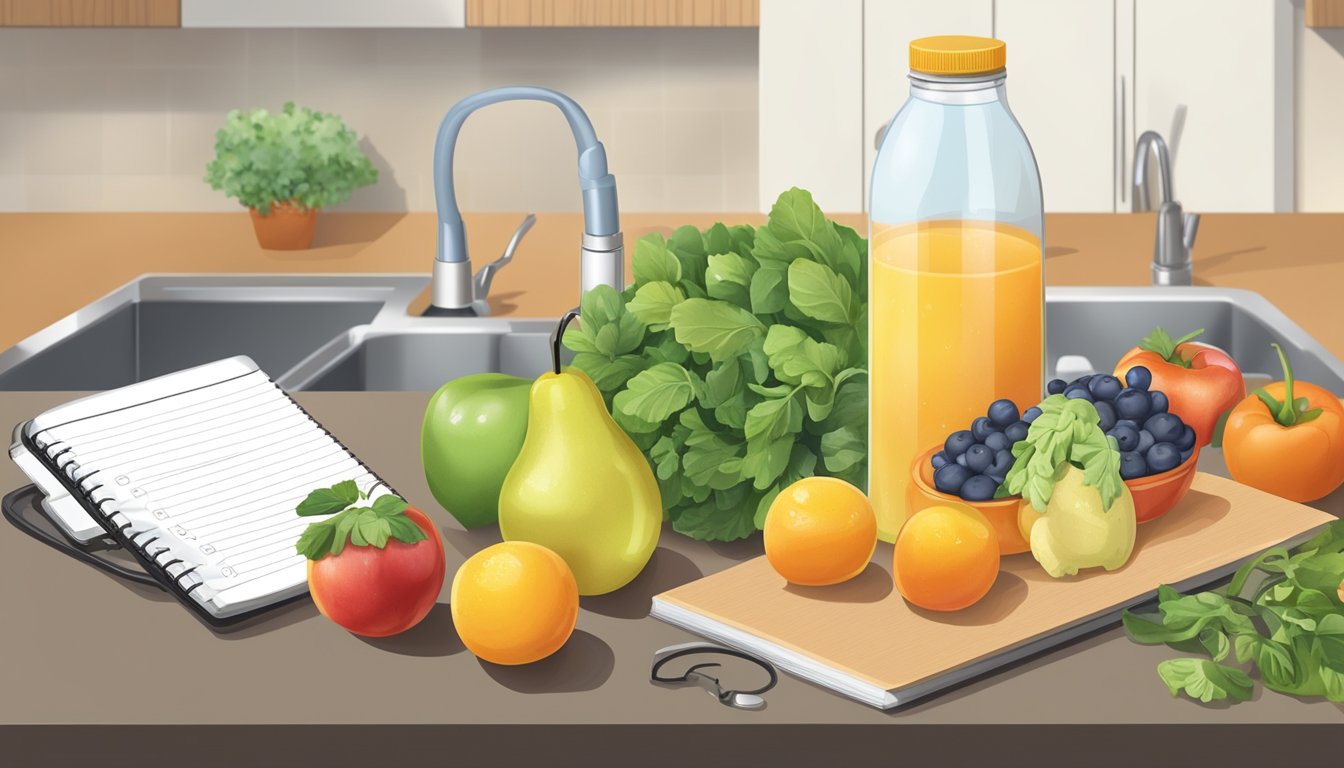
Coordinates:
(85, 651)
(55, 263)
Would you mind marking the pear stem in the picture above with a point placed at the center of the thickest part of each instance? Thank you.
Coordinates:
(558, 334)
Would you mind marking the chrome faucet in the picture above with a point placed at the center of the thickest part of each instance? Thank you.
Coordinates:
(454, 291)
(1175, 233)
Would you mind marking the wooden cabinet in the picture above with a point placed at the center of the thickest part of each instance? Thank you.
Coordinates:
(90, 13)
(613, 13)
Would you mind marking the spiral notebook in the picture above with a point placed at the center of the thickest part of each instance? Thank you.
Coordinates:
(197, 473)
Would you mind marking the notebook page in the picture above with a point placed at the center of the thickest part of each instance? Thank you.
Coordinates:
(208, 479)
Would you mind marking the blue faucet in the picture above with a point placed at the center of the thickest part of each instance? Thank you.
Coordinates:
(454, 291)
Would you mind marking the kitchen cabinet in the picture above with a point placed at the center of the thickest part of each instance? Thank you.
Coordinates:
(323, 13)
(1086, 78)
(1219, 87)
(613, 13)
(1325, 13)
(89, 13)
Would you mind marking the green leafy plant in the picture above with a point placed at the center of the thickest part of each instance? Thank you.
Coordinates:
(296, 155)
(1289, 625)
(370, 526)
(737, 361)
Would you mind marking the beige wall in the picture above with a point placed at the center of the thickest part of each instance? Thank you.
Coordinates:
(125, 119)
(1320, 127)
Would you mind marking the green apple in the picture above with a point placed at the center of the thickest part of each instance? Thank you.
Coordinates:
(473, 430)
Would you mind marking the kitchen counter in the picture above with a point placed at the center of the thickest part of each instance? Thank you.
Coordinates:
(94, 664)
(55, 263)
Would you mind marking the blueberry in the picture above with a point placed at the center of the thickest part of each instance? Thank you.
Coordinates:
(1132, 465)
(1134, 425)
(978, 458)
(1186, 442)
(1159, 401)
(950, 478)
(1003, 413)
(1145, 441)
(1139, 377)
(998, 442)
(1030, 414)
(1075, 392)
(1185, 455)
(1133, 404)
(1126, 437)
(982, 428)
(939, 459)
(1003, 461)
(961, 459)
(1083, 379)
(958, 442)
(1016, 433)
(1162, 457)
(1104, 387)
(979, 488)
(1166, 427)
(1055, 387)
(1106, 412)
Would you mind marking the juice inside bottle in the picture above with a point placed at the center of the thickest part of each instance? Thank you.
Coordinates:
(956, 300)
(957, 317)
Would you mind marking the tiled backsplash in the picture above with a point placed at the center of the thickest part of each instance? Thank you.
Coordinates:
(120, 120)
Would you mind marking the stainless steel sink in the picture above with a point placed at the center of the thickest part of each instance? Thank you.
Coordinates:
(161, 323)
(423, 358)
(353, 332)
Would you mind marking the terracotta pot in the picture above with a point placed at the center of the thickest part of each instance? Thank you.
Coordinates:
(288, 227)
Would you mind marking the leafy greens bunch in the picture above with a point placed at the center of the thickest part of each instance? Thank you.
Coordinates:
(1289, 625)
(294, 155)
(737, 362)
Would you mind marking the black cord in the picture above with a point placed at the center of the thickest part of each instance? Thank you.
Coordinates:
(703, 649)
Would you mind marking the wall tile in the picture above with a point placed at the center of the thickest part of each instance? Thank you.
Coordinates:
(69, 192)
(693, 193)
(694, 142)
(11, 143)
(637, 193)
(637, 139)
(335, 48)
(11, 192)
(82, 49)
(137, 192)
(191, 141)
(135, 143)
(62, 143)
(190, 48)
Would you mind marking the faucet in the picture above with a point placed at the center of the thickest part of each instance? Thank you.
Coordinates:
(454, 292)
(1175, 233)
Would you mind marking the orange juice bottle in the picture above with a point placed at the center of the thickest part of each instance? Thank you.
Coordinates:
(956, 291)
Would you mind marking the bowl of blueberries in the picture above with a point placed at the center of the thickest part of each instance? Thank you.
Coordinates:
(1158, 451)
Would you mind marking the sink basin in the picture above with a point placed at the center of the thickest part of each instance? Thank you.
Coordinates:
(162, 323)
(353, 332)
(423, 358)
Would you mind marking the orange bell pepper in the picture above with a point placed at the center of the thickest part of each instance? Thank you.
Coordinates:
(1201, 381)
(1287, 438)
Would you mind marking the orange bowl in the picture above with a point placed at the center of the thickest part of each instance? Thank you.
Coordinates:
(1155, 495)
(1001, 513)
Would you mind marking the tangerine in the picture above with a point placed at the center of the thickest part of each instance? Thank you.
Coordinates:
(514, 603)
(820, 531)
(946, 557)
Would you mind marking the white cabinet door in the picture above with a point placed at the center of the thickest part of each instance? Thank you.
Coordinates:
(811, 101)
(1215, 78)
(1062, 87)
(888, 28)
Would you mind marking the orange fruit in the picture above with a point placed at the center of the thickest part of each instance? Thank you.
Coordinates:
(819, 531)
(946, 558)
(514, 603)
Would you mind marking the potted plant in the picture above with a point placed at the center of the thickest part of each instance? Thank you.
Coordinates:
(285, 166)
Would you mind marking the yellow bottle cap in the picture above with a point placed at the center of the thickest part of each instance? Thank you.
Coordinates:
(957, 55)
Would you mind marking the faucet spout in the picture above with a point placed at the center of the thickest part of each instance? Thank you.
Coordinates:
(602, 245)
(1142, 196)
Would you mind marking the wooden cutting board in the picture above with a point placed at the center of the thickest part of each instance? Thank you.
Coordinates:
(865, 631)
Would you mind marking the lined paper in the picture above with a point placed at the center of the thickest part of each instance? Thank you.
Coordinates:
(204, 469)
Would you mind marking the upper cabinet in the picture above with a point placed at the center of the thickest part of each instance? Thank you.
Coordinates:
(323, 13)
(613, 13)
(89, 13)
(1086, 77)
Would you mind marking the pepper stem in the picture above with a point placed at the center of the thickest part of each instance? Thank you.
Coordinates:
(558, 334)
(1287, 413)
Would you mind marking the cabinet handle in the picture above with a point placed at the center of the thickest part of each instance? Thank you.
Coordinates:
(1121, 145)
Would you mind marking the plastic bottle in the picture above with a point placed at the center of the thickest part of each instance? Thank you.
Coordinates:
(956, 294)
